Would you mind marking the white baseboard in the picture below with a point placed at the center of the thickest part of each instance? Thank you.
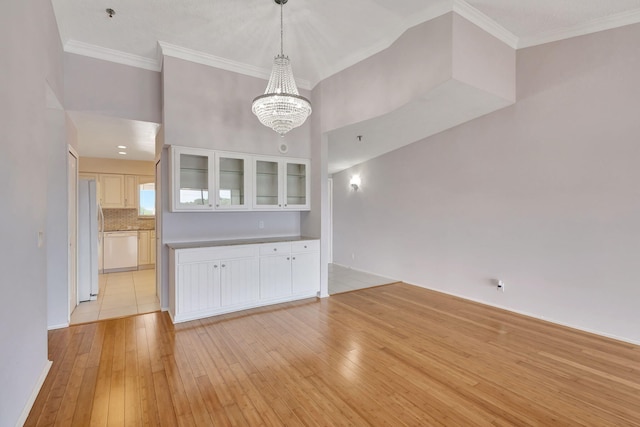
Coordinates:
(525, 313)
(34, 394)
(60, 326)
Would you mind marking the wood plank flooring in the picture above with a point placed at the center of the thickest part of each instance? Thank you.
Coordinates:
(392, 355)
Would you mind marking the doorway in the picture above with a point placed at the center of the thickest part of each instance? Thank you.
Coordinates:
(72, 182)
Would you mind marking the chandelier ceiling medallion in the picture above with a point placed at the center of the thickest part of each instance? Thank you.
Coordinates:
(281, 107)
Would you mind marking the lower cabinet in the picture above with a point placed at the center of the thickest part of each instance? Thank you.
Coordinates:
(209, 281)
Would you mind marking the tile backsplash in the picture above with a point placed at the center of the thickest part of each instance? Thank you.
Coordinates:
(126, 219)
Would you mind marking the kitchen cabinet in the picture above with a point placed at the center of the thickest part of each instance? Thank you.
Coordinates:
(192, 179)
(206, 281)
(130, 191)
(232, 181)
(112, 190)
(146, 248)
(281, 184)
(152, 246)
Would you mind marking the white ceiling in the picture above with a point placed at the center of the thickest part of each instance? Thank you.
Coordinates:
(321, 37)
(99, 136)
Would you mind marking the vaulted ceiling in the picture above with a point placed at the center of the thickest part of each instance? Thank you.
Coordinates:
(321, 37)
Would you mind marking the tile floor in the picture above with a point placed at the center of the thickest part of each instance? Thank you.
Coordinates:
(121, 294)
(344, 279)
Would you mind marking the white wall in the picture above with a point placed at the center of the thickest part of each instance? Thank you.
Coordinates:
(544, 194)
(29, 46)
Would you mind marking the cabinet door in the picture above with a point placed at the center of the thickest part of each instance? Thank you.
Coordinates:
(192, 179)
(305, 273)
(267, 184)
(152, 247)
(144, 254)
(232, 179)
(239, 281)
(297, 185)
(112, 188)
(197, 287)
(130, 187)
(275, 276)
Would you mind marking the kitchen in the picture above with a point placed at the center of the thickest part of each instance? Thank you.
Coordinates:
(125, 239)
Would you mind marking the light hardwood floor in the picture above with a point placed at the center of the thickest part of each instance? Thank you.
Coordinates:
(389, 355)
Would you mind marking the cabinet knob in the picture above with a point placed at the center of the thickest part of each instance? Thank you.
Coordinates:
(287, 258)
(305, 246)
(223, 265)
(275, 249)
(279, 206)
(294, 258)
(285, 205)
(215, 266)
(210, 206)
(217, 206)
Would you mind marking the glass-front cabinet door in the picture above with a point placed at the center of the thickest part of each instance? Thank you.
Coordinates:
(232, 181)
(193, 179)
(297, 185)
(267, 186)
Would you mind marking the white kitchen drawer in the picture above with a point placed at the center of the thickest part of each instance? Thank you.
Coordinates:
(305, 246)
(209, 254)
(275, 248)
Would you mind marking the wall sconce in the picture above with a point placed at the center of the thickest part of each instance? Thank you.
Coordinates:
(355, 182)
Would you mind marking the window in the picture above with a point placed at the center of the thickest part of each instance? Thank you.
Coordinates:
(147, 198)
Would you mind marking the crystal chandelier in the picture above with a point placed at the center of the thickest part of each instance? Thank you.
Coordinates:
(281, 107)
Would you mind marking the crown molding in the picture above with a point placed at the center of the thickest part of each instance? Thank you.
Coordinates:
(487, 24)
(602, 24)
(198, 57)
(119, 57)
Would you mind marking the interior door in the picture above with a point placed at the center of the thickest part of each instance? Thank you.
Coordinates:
(72, 179)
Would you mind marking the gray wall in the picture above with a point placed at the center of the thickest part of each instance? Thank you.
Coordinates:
(110, 89)
(544, 195)
(30, 53)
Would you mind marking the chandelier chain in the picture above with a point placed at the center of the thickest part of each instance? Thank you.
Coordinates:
(281, 30)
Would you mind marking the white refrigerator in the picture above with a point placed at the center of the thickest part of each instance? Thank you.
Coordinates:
(90, 226)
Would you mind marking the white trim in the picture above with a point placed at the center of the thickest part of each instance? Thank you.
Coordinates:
(528, 314)
(60, 326)
(198, 57)
(34, 394)
(119, 57)
(606, 23)
(487, 24)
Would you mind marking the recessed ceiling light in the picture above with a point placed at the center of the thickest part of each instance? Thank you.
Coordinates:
(122, 152)
(122, 147)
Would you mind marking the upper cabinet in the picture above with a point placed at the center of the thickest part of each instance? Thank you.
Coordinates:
(112, 190)
(268, 186)
(239, 182)
(232, 181)
(297, 185)
(281, 184)
(192, 176)
(130, 184)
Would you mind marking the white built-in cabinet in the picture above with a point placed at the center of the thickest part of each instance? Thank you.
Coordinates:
(240, 182)
(208, 281)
